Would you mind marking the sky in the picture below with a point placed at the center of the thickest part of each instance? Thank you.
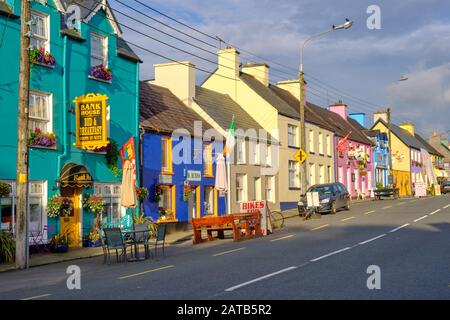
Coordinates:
(359, 66)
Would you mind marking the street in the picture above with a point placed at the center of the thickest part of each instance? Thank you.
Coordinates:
(328, 258)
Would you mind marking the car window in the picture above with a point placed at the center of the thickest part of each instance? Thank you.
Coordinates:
(322, 190)
(342, 188)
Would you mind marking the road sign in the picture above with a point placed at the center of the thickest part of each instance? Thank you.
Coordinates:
(301, 156)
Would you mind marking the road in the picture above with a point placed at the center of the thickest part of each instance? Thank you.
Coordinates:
(327, 258)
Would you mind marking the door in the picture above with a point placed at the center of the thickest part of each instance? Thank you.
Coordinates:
(194, 203)
(71, 225)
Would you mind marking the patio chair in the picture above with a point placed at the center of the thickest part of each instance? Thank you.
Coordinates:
(160, 237)
(141, 235)
(114, 241)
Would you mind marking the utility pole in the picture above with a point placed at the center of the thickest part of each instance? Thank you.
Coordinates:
(303, 181)
(22, 140)
(391, 176)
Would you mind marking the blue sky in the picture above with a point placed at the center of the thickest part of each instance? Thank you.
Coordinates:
(414, 40)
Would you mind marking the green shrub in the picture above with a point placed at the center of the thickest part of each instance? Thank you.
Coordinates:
(7, 247)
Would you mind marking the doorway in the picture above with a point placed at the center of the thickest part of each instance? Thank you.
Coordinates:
(71, 225)
(194, 202)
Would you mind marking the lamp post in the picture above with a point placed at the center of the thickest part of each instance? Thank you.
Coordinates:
(346, 25)
(391, 175)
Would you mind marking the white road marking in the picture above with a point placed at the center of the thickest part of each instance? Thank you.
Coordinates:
(37, 297)
(388, 207)
(144, 272)
(229, 251)
(446, 206)
(435, 212)
(325, 225)
(373, 239)
(259, 279)
(346, 219)
(421, 218)
(369, 212)
(330, 254)
(401, 227)
(282, 238)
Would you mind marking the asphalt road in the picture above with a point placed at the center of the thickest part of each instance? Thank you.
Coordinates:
(328, 258)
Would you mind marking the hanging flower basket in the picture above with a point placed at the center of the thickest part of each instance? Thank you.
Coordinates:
(95, 204)
(111, 156)
(187, 191)
(39, 138)
(142, 193)
(42, 57)
(101, 72)
(5, 189)
(59, 206)
(157, 194)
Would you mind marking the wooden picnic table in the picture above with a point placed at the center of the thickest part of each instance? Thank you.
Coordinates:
(386, 192)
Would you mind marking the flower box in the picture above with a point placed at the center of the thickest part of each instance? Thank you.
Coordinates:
(41, 139)
(42, 57)
(101, 73)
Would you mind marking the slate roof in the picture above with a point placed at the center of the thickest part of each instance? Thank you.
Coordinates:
(221, 108)
(160, 110)
(428, 146)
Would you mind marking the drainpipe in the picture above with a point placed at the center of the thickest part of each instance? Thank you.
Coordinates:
(64, 99)
(336, 158)
(136, 131)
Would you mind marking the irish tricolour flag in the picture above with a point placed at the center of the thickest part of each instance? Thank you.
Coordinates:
(231, 140)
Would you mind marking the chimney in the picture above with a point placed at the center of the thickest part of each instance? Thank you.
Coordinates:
(292, 86)
(380, 115)
(178, 77)
(340, 108)
(229, 62)
(259, 71)
(408, 126)
(359, 117)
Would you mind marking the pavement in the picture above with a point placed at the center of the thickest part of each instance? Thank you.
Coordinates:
(389, 249)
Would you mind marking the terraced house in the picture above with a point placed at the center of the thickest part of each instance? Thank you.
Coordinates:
(250, 87)
(83, 101)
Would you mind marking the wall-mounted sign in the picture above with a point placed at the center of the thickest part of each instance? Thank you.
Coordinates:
(91, 126)
(193, 175)
(165, 179)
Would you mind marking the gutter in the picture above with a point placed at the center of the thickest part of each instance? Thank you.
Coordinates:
(64, 99)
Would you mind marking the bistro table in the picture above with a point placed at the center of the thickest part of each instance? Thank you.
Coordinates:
(136, 237)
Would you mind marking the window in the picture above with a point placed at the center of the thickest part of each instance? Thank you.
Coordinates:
(111, 195)
(341, 174)
(292, 136)
(329, 145)
(40, 112)
(312, 173)
(321, 143)
(36, 205)
(241, 151)
(7, 209)
(166, 155)
(210, 203)
(257, 188)
(207, 161)
(268, 155)
(321, 173)
(99, 50)
(39, 31)
(270, 188)
(241, 187)
(167, 200)
(294, 174)
(254, 152)
(311, 141)
(330, 174)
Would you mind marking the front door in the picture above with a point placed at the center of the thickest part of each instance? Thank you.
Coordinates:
(194, 203)
(71, 225)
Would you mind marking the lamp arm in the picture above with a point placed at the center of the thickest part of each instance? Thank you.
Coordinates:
(308, 40)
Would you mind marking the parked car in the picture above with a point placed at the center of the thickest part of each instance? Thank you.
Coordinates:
(332, 197)
(445, 187)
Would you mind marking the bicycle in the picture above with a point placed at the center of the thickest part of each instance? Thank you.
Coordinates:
(276, 218)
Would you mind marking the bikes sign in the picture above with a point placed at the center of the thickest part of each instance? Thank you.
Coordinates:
(255, 206)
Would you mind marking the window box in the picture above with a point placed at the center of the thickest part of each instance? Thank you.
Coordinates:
(101, 73)
(42, 57)
(41, 139)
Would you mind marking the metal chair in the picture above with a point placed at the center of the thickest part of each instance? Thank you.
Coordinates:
(114, 241)
(160, 237)
(141, 234)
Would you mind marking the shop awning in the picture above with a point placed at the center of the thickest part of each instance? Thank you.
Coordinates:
(75, 175)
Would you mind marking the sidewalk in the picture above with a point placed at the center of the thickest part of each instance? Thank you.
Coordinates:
(82, 253)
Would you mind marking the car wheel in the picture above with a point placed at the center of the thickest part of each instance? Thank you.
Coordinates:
(347, 206)
(333, 208)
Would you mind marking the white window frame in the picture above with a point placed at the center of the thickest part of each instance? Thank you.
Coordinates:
(270, 188)
(104, 44)
(241, 151)
(268, 155)
(321, 149)
(254, 152)
(43, 196)
(328, 145)
(294, 174)
(312, 174)
(45, 38)
(311, 141)
(115, 193)
(292, 136)
(322, 178)
(241, 191)
(49, 119)
(257, 188)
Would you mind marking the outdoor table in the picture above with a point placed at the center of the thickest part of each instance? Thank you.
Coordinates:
(132, 235)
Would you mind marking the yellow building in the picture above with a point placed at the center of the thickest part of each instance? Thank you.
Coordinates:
(270, 106)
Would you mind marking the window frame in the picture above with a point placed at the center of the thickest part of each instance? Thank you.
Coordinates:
(311, 141)
(241, 151)
(49, 106)
(104, 47)
(46, 38)
(270, 187)
(167, 141)
(293, 136)
(242, 188)
(112, 194)
(208, 160)
(294, 182)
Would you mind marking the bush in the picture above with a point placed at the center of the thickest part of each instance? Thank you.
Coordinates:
(7, 247)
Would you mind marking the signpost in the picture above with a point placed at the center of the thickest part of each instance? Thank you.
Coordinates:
(301, 156)
(91, 123)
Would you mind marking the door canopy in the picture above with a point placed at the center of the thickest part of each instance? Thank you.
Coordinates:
(75, 175)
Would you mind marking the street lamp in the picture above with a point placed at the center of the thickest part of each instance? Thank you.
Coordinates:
(344, 26)
(391, 176)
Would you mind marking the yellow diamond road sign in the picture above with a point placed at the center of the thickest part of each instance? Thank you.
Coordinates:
(301, 156)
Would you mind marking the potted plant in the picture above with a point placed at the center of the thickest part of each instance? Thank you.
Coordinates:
(41, 56)
(60, 243)
(5, 189)
(7, 247)
(187, 191)
(157, 194)
(39, 138)
(165, 214)
(94, 239)
(59, 206)
(379, 185)
(101, 72)
(142, 193)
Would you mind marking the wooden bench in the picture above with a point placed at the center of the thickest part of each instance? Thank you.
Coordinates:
(242, 225)
(386, 192)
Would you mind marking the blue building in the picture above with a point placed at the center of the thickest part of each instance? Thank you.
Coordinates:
(380, 157)
(180, 182)
(69, 63)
